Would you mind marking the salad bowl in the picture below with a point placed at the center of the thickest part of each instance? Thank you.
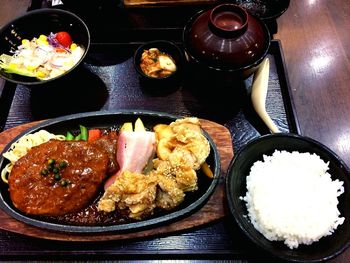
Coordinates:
(42, 25)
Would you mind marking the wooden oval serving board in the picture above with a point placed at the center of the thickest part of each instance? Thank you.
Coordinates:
(213, 210)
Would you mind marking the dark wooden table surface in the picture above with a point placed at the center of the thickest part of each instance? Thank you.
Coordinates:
(316, 45)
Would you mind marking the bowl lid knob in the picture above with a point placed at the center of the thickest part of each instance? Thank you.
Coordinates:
(228, 20)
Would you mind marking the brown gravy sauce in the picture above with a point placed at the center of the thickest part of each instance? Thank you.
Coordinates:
(91, 216)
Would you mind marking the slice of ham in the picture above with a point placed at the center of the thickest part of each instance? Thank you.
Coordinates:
(134, 150)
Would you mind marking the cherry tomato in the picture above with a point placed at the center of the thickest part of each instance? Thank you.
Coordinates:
(64, 39)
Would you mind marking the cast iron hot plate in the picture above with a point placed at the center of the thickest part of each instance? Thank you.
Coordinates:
(193, 200)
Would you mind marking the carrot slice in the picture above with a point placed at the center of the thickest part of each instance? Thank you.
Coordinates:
(60, 50)
(94, 134)
(207, 171)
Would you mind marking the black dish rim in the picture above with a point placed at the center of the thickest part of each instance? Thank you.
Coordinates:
(138, 53)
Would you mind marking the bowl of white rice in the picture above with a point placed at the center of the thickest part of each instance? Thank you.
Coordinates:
(291, 196)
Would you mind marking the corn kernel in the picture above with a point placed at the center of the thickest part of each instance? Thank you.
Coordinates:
(43, 37)
(42, 42)
(12, 65)
(73, 46)
(25, 42)
(40, 74)
(31, 68)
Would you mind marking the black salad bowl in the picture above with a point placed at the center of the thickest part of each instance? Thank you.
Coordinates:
(33, 24)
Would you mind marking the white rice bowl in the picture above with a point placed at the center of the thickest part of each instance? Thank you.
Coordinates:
(291, 198)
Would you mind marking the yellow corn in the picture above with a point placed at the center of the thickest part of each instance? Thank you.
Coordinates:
(43, 37)
(73, 46)
(25, 42)
(31, 68)
(40, 74)
(12, 65)
(41, 41)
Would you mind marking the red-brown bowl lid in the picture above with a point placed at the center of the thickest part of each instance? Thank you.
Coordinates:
(226, 37)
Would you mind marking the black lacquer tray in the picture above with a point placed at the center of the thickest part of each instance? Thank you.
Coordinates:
(108, 81)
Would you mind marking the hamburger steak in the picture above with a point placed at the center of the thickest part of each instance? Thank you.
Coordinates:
(58, 177)
(109, 143)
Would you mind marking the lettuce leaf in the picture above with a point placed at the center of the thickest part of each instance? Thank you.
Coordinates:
(5, 64)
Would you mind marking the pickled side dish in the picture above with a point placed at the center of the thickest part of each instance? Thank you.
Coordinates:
(157, 64)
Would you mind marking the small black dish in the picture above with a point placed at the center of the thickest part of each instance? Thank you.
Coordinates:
(327, 247)
(37, 22)
(169, 48)
(264, 9)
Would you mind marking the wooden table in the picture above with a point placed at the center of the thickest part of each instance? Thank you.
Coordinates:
(316, 44)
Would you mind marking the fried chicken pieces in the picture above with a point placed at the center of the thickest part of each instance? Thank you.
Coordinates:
(133, 191)
(181, 150)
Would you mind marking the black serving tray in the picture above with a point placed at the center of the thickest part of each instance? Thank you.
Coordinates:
(108, 81)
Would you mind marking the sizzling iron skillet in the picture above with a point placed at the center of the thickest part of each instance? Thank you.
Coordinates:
(193, 201)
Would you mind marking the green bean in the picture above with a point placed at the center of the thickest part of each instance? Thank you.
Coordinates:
(69, 136)
(83, 132)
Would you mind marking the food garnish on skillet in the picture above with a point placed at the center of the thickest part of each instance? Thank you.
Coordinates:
(142, 172)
